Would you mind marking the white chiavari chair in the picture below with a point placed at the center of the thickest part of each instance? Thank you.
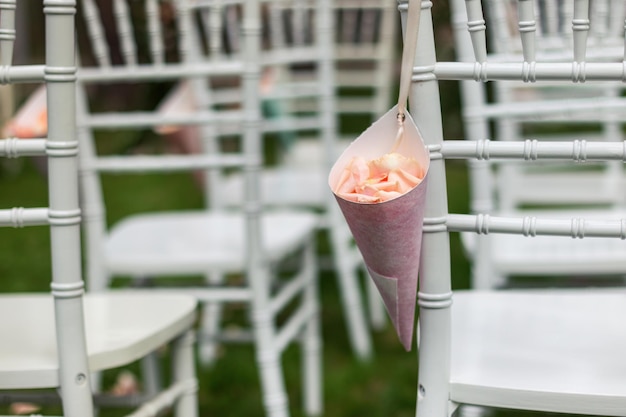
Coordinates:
(54, 342)
(551, 350)
(238, 252)
(297, 88)
(551, 110)
(354, 65)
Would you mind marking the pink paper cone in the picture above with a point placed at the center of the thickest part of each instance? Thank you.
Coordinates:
(179, 100)
(31, 119)
(389, 234)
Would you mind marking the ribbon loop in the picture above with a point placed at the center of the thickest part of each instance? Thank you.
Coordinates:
(408, 53)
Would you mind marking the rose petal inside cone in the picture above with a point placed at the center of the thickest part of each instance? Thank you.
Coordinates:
(388, 232)
(379, 180)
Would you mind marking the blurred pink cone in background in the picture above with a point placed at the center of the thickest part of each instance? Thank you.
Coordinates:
(31, 120)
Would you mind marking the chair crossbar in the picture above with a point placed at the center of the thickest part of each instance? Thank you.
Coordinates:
(21, 74)
(526, 71)
(15, 147)
(165, 399)
(160, 73)
(19, 217)
(161, 163)
(575, 227)
(288, 291)
(206, 294)
(530, 150)
(142, 120)
(293, 326)
(297, 90)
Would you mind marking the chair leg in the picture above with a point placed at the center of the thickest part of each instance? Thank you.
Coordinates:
(210, 325)
(351, 300)
(183, 365)
(272, 382)
(267, 354)
(151, 374)
(312, 342)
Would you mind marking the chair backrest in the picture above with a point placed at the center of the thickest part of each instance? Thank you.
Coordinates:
(435, 289)
(554, 29)
(156, 44)
(365, 59)
(363, 53)
(63, 214)
(296, 87)
(511, 109)
(515, 108)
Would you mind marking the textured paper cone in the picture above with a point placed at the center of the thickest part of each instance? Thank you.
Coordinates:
(389, 234)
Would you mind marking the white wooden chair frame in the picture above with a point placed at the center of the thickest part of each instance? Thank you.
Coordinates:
(518, 185)
(259, 292)
(57, 340)
(538, 331)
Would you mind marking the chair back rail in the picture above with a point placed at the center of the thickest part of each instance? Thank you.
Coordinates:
(63, 214)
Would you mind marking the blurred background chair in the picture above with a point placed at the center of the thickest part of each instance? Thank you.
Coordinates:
(56, 341)
(354, 71)
(132, 55)
(345, 77)
(514, 349)
(507, 110)
(236, 254)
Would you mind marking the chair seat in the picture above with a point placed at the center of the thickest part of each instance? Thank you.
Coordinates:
(514, 254)
(305, 187)
(540, 350)
(121, 328)
(195, 242)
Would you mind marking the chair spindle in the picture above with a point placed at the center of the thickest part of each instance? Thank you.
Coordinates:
(7, 31)
(527, 26)
(476, 26)
(127, 43)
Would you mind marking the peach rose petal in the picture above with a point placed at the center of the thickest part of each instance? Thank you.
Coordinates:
(380, 179)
